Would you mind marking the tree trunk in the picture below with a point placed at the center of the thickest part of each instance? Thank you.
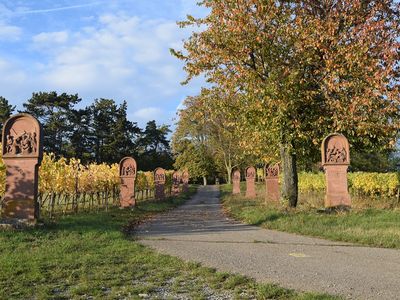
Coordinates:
(229, 175)
(204, 180)
(228, 166)
(290, 180)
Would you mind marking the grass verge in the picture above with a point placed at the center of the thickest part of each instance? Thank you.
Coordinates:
(370, 226)
(89, 256)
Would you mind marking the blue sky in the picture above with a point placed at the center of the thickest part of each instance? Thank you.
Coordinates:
(115, 49)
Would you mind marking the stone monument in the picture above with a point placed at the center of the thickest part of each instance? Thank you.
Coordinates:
(236, 182)
(176, 181)
(185, 181)
(22, 154)
(335, 153)
(159, 183)
(250, 182)
(272, 182)
(127, 174)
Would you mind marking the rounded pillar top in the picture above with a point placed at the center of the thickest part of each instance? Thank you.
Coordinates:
(22, 137)
(335, 150)
(272, 171)
(128, 167)
(159, 176)
(176, 177)
(236, 175)
(250, 172)
(185, 176)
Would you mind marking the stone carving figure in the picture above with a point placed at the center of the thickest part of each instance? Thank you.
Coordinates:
(336, 155)
(251, 173)
(336, 150)
(10, 146)
(160, 177)
(129, 170)
(159, 182)
(24, 143)
(272, 171)
(236, 176)
(34, 142)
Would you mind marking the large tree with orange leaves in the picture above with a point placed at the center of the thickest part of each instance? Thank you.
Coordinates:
(306, 68)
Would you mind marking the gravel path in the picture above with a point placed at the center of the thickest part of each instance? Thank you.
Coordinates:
(199, 231)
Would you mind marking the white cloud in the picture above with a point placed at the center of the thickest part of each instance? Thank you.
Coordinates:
(109, 56)
(58, 37)
(13, 80)
(147, 114)
(121, 56)
(9, 32)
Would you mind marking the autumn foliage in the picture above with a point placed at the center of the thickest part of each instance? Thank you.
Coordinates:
(301, 69)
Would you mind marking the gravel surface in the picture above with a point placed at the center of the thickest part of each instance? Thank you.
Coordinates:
(199, 231)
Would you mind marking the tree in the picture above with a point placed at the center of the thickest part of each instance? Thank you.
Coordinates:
(125, 134)
(113, 135)
(196, 159)
(100, 132)
(211, 121)
(103, 112)
(154, 148)
(80, 138)
(6, 110)
(305, 68)
(53, 111)
(189, 141)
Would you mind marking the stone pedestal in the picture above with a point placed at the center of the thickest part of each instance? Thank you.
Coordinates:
(335, 153)
(20, 199)
(127, 173)
(176, 180)
(272, 192)
(159, 183)
(337, 193)
(236, 182)
(185, 181)
(22, 155)
(250, 182)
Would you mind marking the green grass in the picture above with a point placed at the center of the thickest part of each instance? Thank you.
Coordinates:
(94, 256)
(367, 226)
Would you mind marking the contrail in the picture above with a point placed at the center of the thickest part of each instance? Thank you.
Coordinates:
(40, 11)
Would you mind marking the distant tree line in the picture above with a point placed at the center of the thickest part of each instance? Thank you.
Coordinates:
(100, 132)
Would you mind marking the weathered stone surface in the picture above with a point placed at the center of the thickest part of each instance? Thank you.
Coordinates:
(22, 155)
(272, 182)
(236, 182)
(176, 181)
(250, 182)
(159, 183)
(185, 181)
(335, 153)
(127, 174)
